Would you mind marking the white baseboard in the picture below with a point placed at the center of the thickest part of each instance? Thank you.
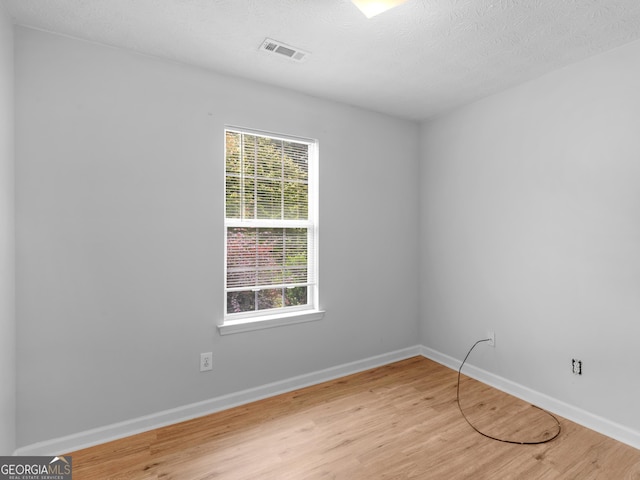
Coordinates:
(586, 419)
(115, 431)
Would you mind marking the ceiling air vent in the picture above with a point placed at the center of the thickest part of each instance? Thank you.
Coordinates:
(282, 49)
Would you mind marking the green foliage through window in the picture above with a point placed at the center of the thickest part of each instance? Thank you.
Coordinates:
(266, 178)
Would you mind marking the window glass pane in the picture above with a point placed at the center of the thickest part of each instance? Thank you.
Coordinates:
(296, 199)
(295, 296)
(270, 298)
(241, 257)
(296, 171)
(269, 158)
(233, 197)
(232, 149)
(270, 256)
(232, 168)
(238, 302)
(269, 195)
(249, 148)
(296, 161)
(248, 197)
(266, 178)
(266, 256)
(295, 248)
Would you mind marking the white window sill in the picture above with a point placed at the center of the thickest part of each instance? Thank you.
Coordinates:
(269, 321)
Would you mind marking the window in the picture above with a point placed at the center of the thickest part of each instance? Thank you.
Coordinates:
(270, 229)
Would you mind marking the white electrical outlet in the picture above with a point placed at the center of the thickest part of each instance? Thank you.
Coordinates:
(206, 361)
(492, 339)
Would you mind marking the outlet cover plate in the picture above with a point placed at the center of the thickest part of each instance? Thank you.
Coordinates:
(206, 361)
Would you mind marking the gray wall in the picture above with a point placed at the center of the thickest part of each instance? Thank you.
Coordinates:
(530, 226)
(120, 240)
(7, 235)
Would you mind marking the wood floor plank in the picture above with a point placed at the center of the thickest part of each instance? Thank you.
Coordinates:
(399, 421)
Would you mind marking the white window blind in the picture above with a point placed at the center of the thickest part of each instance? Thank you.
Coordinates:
(270, 224)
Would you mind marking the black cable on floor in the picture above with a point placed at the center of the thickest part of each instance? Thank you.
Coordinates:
(490, 436)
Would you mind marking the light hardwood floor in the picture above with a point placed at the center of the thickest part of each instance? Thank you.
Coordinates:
(394, 422)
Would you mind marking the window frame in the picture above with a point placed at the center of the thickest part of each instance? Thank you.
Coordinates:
(275, 317)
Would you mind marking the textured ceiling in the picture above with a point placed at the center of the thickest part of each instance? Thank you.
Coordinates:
(414, 61)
